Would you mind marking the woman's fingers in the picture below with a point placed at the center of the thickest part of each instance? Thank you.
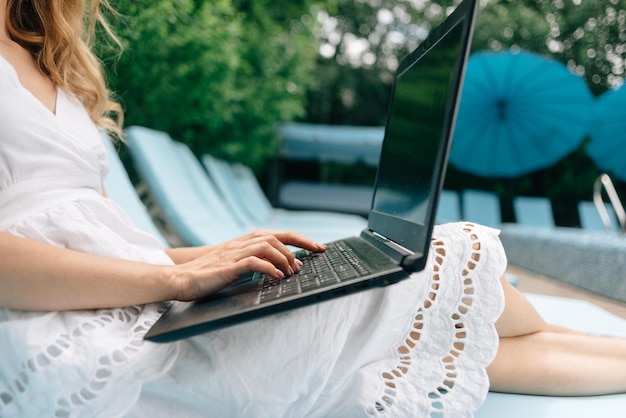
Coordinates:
(256, 264)
(277, 256)
(280, 240)
(261, 251)
(298, 240)
(275, 242)
(286, 238)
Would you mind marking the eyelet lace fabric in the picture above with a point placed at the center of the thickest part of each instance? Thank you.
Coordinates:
(78, 364)
(83, 363)
(452, 337)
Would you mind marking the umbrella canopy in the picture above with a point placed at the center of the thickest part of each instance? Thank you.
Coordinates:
(607, 147)
(519, 112)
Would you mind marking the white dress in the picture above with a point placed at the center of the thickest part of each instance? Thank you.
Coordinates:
(417, 348)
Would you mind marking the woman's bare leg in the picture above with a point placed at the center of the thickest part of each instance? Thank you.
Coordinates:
(542, 359)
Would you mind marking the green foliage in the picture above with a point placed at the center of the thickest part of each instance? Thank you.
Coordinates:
(211, 73)
(503, 24)
(588, 36)
(219, 74)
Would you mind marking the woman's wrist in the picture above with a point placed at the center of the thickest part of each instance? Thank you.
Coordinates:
(163, 282)
(183, 254)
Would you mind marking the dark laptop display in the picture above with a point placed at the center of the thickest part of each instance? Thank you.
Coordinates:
(411, 170)
(418, 134)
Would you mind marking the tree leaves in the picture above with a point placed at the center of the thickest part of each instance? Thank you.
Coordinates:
(210, 75)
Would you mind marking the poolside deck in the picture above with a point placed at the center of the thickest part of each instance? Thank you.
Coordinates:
(531, 282)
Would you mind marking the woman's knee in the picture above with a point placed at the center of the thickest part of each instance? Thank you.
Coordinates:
(519, 316)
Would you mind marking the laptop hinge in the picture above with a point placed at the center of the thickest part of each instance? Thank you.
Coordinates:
(387, 246)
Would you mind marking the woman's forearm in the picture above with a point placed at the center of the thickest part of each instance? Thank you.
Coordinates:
(184, 254)
(38, 276)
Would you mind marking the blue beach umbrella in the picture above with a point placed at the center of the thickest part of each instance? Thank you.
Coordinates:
(607, 147)
(519, 112)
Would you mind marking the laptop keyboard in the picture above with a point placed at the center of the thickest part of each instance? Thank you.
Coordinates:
(338, 263)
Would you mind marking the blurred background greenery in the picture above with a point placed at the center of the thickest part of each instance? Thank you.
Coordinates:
(219, 74)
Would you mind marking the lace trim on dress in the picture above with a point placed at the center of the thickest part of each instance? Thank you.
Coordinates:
(408, 350)
(58, 362)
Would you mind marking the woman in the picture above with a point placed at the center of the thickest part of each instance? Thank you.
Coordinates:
(80, 285)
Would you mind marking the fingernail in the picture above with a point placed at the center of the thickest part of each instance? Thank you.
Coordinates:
(280, 274)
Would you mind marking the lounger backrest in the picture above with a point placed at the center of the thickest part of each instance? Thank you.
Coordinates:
(158, 164)
(119, 188)
(482, 207)
(449, 208)
(533, 211)
(230, 190)
(207, 190)
(590, 217)
(244, 176)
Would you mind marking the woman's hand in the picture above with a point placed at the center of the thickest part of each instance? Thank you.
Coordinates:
(261, 251)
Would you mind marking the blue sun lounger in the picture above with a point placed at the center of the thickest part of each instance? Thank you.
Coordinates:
(189, 200)
(590, 218)
(239, 188)
(449, 208)
(119, 188)
(317, 225)
(533, 211)
(180, 203)
(481, 207)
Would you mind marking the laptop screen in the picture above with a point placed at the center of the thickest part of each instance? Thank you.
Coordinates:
(418, 133)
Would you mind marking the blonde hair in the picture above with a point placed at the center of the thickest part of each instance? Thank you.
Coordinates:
(59, 34)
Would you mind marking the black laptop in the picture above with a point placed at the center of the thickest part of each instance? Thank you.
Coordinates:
(395, 243)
